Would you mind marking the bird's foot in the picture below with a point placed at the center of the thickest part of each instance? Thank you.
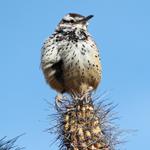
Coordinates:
(58, 101)
(74, 95)
(87, 95)
(84, 97)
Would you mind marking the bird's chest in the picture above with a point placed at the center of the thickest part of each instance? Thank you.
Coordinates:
(78, 56)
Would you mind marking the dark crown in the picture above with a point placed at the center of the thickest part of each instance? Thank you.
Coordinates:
(75, 18)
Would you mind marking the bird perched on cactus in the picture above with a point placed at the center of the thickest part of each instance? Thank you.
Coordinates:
(70, 59)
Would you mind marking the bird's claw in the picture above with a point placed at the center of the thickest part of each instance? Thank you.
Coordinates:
(84, 97)
(74, 95)
(87, 95)
(59, 100)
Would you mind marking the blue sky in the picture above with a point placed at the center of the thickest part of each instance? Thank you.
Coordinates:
(122, 31)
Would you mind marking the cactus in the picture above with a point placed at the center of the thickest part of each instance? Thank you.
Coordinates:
(9, 144)
(84, 125)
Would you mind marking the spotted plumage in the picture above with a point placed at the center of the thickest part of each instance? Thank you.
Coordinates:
(70, 59)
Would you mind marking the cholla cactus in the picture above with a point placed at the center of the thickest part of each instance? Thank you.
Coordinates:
(83, 125)
(9, 144)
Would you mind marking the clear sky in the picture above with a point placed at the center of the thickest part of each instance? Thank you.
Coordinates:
(121, 28)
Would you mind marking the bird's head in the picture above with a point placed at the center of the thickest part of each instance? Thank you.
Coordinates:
(74, 21)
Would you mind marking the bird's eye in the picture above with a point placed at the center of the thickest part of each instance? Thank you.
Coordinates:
(65, 21)
(68, 21)
(72, 21)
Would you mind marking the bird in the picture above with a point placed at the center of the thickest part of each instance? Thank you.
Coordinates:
(70, 59)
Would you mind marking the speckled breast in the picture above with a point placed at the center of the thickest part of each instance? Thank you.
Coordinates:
(82, 67)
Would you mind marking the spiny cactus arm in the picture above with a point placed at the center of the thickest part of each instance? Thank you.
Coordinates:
(9, 144)
(83, 125)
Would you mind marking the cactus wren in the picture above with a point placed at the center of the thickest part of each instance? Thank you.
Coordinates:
(70, 59)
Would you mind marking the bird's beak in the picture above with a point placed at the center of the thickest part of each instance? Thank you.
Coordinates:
(88, 18)
(84, 20)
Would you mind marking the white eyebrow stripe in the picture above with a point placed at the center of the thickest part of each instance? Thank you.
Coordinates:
(78, 18)
(67, 17)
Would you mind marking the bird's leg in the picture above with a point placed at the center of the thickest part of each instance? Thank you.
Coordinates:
(58, 100)
(87, 94)
(74, 95)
